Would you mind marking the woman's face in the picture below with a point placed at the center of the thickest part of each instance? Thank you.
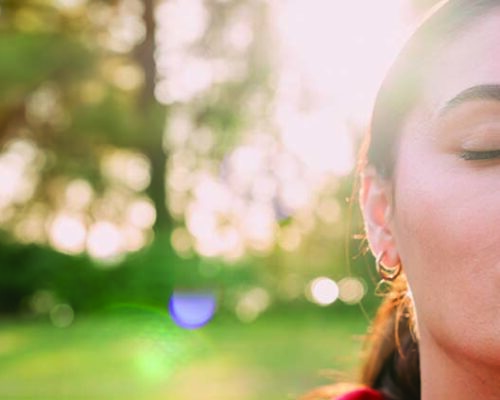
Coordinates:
(446, 197)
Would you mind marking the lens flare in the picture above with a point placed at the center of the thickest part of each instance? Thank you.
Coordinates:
(191, 310)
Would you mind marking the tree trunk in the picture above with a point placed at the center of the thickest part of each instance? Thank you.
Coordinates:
(153, 119)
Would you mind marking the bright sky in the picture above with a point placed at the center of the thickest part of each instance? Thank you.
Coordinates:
(333, 58)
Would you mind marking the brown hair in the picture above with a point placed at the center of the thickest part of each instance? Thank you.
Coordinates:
(392, 359)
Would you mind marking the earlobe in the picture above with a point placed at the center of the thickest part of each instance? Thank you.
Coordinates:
(376, 205)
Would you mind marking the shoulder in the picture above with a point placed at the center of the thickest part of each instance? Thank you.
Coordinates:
(361, 394)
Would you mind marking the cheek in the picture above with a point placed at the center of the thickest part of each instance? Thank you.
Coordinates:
(447, 221)
(447, 229)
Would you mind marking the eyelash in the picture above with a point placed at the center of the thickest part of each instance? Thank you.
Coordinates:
(480, 155)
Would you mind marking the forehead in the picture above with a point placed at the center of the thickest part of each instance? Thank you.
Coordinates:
(470, 58)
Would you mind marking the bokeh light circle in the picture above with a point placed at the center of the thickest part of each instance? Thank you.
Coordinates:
(191, 310)
(351, 290)
(62, 315)
(323, 291)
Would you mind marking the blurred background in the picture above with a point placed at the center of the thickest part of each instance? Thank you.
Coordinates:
(178, 215)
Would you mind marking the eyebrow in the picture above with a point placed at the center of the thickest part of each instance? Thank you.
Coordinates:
(479, 92)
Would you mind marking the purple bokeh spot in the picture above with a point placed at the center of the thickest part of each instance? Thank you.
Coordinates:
(191, 310)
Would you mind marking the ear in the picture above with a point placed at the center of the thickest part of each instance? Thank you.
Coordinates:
(377, 206)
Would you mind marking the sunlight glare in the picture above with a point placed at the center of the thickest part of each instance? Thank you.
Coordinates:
(318, 140)
(333, 56)
(134, 239)
(294, 195)
(68, 233)
(105, 241)
(213, 193)
(177, 133)
(239, 33)
(342, 49)
(200, 221)
(180, 178)
(181, 76)
(79, 194)
(180, 22)
(19, 163)
(323, 291)
(192, 75)
(126, 29)
(141, 213)
(259, 227)
(127, 167)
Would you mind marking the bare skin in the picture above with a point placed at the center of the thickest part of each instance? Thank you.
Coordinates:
(440, 216)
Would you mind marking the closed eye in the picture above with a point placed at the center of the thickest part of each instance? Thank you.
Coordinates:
(480, 155)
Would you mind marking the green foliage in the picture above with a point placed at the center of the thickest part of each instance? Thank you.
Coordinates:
(146, 278)
(108, 121)
(28, 59)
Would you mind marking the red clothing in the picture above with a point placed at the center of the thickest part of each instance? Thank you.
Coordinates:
(362, 394)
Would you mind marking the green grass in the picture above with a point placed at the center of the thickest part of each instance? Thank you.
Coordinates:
(141, 354)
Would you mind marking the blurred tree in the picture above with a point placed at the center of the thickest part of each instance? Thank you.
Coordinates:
(83, 155)
(99, 97)
(79, 83)
(82, 163)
